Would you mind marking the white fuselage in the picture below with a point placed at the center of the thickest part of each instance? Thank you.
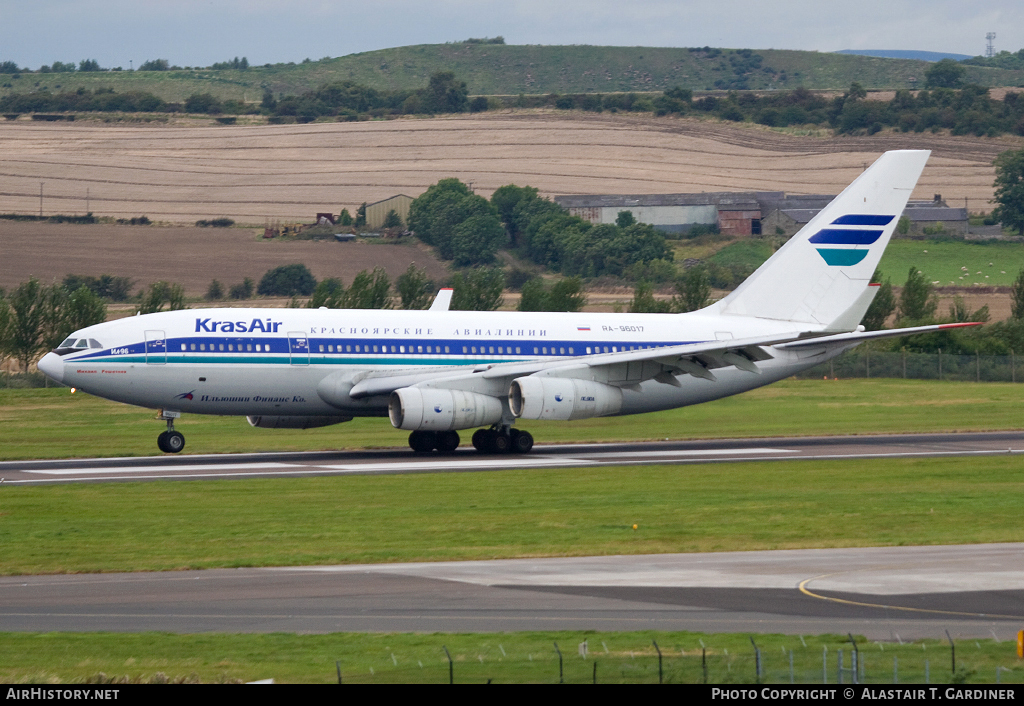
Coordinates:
(274, 361)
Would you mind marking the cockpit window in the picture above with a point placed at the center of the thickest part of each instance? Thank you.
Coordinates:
(68, 343)
(93, 343)
(82, 343)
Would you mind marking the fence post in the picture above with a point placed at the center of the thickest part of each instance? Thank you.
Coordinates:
(451, 671)
(660, 674)
(952, 654)
(855, 659)
(791, 681)
(904, 362)
(1013, 367)
(839, 669)
(757, 659)
(337, 665)
(867, 362)
(561, 676)
(895, 670)
(704, 663)
(824, 664)
(940, 364)
(977, 364)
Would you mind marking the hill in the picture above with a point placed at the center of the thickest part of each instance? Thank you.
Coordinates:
(906, 54)
(496, 69)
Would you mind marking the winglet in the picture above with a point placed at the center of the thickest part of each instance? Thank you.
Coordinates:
(442, 300)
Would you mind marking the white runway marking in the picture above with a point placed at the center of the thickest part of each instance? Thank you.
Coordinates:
(516, 462)
(694, 452)
(167, 469)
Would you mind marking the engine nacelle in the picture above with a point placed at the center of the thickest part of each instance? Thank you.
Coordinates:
(294, 422)
(539, 397)
(426, 408)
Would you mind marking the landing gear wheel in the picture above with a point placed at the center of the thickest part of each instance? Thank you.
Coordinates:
(161, 442)
(480, 440)
(447, 441)
(174, 442)
(422, 441)
(522, 441)
(500, 443)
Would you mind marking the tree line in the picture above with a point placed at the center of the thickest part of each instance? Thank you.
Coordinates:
(947, 104)
(469, 230)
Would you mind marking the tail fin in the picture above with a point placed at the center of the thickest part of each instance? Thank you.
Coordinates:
(824, 270)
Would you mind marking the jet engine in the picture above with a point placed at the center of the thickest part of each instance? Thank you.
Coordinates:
(540, 397)
(294, 422)
(426, 408)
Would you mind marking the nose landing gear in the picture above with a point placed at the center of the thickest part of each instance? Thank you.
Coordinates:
(170, 441)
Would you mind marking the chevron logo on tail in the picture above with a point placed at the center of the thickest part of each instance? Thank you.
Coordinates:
(865, 234)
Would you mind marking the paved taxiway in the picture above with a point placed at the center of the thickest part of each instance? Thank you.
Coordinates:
(885, 593)
(244, 466)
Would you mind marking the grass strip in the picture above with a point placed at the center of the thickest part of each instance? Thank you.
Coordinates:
(613, 657)
(108, 527)
(56, 424)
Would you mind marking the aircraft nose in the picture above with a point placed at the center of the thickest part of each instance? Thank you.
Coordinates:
(53, 366)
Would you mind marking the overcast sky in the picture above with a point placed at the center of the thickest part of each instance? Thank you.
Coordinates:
(200, 32)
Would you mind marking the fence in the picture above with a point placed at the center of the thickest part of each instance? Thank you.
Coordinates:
(920, 366)
(863, 662)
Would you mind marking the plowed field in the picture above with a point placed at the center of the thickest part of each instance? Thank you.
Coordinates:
(250, 173)
(179, 174)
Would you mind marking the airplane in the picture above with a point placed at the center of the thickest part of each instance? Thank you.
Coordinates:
(438, 372)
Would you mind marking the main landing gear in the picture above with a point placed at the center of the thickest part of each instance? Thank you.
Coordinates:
(426, 441)
(170, 442)
(488, 441)
(502, 441)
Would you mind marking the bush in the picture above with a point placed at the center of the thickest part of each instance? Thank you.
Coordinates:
(243, 290)
(287, 281)
(216, 223)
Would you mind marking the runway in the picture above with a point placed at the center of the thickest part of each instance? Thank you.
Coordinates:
(394, 461)
(888, 593)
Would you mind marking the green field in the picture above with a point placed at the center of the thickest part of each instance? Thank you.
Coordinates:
(158, 526)
(528, 657)
(514, 69)
(994, 264)
(56, 424)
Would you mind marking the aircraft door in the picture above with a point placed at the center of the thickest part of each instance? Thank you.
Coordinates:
(156, 348)
(298, 347)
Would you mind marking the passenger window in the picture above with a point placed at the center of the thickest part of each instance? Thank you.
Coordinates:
(561, 351)
(491, 350)
(348, 349)
(231, 347)
(248, 346)
(517, 349)
(202, 346)
(571, 351)
(545, 350)
(474, 349)
(446, 349)
(535, 350)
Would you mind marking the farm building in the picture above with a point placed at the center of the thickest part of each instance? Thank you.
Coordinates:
(738, 213)
(744, 213)
(935, 216)
(377, 212)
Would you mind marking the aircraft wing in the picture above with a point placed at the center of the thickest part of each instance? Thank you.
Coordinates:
(845, 339)
(623, 368)
(627, 368)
